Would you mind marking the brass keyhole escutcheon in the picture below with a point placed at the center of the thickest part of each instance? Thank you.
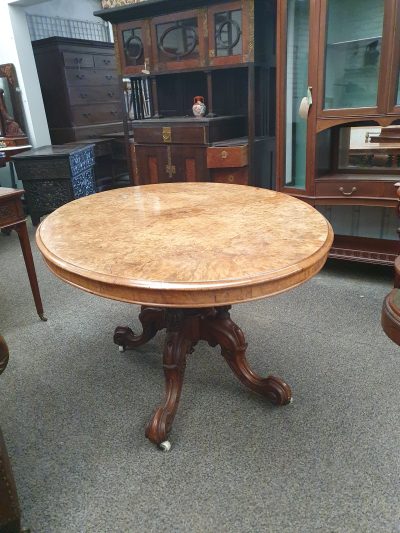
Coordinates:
(166, 134)
(224, 154)
(231, 179)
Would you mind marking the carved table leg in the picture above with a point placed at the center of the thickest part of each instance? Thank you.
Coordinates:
(22, 231)
(152, 319)
(220, 329)
(185, 327)
(178, 343)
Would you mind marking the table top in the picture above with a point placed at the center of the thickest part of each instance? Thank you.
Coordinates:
(7, 192)
(185, 244)
(55, 150)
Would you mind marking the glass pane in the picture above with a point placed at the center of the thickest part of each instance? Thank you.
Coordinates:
(133, 46)
(369, 147)
(228, 33)
(296, 89)
(178, 40)
(353, 51)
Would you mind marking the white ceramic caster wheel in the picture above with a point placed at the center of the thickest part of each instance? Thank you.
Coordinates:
(121, 348)
(165, 446)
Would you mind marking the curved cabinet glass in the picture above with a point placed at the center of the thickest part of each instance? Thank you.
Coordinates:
(353, 53)
(296, 89)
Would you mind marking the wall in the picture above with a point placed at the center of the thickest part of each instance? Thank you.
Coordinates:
(74, 9)
(17, 49)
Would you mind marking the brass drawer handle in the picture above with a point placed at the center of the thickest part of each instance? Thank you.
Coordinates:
(224, 154)
(109, 76)
(80, 76)
(341, 189)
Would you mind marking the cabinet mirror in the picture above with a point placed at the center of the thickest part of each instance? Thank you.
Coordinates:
(369, 149)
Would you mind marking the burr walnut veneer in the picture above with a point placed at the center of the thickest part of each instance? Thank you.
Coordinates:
(186, 252)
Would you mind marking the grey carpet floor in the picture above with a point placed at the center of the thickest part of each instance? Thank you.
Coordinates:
(73, 411)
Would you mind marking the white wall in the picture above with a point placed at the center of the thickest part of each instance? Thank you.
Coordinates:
(74, 9)
(16, 48)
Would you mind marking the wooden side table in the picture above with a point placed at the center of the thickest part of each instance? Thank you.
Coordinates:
(12, 216)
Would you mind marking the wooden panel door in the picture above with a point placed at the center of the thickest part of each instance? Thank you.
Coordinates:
(228, 33)
(178, 40)
(133, 42)
(190, 163)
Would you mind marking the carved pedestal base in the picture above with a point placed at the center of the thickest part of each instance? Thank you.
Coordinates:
(185, 327)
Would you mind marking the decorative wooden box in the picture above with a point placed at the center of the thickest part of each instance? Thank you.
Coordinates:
(55, 175)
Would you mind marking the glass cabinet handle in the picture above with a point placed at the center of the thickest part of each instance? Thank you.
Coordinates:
(341, 189)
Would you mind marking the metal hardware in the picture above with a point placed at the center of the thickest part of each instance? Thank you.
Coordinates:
(170, 169)
(224, 154)
(341, 189)
(211, 53)
(166, 134)
(309, 95)
(231, 178)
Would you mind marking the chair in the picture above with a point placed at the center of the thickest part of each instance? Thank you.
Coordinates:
(10, 516)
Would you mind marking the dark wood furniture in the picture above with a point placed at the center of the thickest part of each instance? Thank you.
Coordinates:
(13, 140)
(178, 249)
(340, 60)
(10, 514)
(80, 88)
(390, 318)
(55, 175)
(168, 53)
(12, 217)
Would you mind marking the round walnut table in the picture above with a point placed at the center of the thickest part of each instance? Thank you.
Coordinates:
(186, 252)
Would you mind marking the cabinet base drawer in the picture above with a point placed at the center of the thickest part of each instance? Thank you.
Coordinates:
(238, 176)
(347, 188)
(227, 156)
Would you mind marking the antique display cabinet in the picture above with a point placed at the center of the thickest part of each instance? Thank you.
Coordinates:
(172, 54)
(338, 146)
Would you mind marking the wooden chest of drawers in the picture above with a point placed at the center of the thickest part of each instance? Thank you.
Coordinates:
(80, 88)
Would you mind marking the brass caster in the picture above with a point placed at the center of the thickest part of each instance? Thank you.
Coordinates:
(121, 348)
(42, 317)
(165, 446)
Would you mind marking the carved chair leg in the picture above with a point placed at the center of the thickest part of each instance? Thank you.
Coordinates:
(221, 330)
(152, 319)
(178, 344)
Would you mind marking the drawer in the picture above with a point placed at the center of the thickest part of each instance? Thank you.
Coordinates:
(168, 135)
(348, 188)
(75, 59)
(91, 94)
(96, 114)
(91, 77)
(227, 156)
(238, 176)
(104, 61)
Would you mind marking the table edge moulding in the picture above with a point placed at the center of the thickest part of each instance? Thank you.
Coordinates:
(176, 293)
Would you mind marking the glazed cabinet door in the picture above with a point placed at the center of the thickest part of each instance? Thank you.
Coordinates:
(228, 35)
(355, 57)
(294, 95)
(178, 40)
(133, 41)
